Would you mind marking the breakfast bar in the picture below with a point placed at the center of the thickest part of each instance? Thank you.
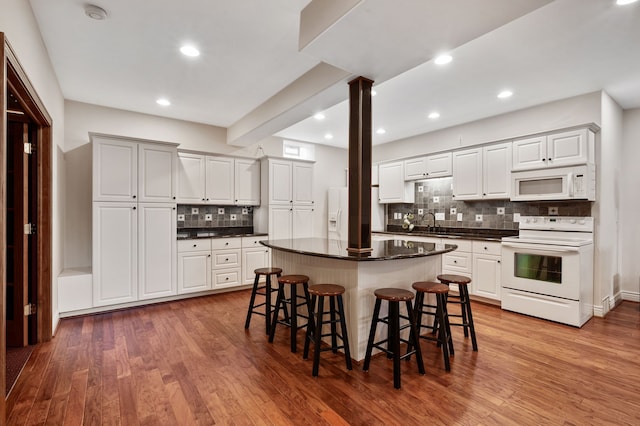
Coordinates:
(391, 263)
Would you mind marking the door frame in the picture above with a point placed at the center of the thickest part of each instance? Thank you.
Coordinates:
(13, 76)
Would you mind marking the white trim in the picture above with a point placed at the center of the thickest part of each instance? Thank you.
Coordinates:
(630, 295)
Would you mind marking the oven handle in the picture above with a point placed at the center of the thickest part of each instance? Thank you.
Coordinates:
(536, 247)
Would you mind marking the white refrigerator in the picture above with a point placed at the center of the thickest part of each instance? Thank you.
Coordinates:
(338, 213)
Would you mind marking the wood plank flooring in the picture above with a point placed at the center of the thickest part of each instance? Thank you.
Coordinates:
(192, 363)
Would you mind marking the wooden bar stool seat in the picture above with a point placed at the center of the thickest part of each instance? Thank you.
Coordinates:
(466, 316)
(294, 301)
(318, 293)
(394, 296)
(265, 291)
(440, 326)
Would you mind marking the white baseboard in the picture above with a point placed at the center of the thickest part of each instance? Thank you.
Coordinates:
(630, 295)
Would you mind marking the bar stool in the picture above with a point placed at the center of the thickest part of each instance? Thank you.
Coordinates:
(440, 325)
(394, 296)
(265, 291)
(336, 315)
(463, 299)
(293, 281)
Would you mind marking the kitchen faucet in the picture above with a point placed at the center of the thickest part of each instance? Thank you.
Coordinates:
(434, 221)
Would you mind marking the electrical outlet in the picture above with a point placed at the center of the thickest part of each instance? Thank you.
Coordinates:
(397, 215)
(436, 199)
(453, 211)
(233, 217)
(420, 211)
(439, 216)
(221, 210)
(180, 218)
(500, 210)
(208, 216)
(516, 217)
(420, 188)
(459, 217)
(245, 210)
(194, 210)
(478, 218)
(553, 211)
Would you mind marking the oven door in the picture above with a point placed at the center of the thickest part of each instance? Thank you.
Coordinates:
(542, 269)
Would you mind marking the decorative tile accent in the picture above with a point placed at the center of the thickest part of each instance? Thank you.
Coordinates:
(208, 217)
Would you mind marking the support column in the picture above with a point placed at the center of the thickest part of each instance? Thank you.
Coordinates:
(360, 128)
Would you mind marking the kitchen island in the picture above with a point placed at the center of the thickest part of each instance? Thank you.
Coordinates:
(392, 263)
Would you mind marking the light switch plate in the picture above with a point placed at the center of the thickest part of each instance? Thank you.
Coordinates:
(439, 216)
(221, 210)
(436, 199)
(459, 217)
(420, 188)
(516, 217)
(180, 218)
(420, 211)
(245, 210)
(553, 211)
(194, 210)
(233, 217)
(500, 210)
(208, 217)
(453, 211)
(478, 218)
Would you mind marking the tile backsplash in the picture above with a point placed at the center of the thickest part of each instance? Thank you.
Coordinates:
(213, 216)
(441, 189)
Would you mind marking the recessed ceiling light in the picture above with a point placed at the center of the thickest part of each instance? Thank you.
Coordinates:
(443, 59)
(381, 131)
(319, 116)
(189, 50)
(625, 2)
(95, 12)
(163, 102)
(328, 136)
(434, 115)
(505, 94)
(373, 93)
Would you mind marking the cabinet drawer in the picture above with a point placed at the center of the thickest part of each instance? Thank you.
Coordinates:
(194, 245)
(463, 245)
(487, 247)
(226, 243)
(250, 242)
(226, 259)
(226, 278)
(459, 262)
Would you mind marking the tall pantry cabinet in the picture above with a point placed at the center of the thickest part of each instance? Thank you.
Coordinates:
(134, 220)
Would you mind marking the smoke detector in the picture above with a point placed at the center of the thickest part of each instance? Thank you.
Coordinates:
(95, 12)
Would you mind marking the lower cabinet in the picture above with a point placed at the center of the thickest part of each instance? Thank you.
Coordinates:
(225, 263)
(459, 261)
(487, 269)
(254, 256)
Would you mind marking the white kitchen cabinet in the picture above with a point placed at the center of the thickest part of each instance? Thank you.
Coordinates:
(157, 173)
(157, 250)
(487, 269)
(430, 166)
(392, 186)
(280, 222)
(302, 183)
(254, 256)
(302, 221)
(247, 182)
(482, 173)
(219, 183)
(194, 265)
(115, 253)
(554, 150)
(115, 169)
(277, 176)
(226, 262)
(191, 178)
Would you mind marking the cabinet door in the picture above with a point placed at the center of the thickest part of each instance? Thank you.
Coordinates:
(530, 153)
(487, 273)
(115, 253)
(392, 187)
(467, 174)
(302, 183)
(280, 187)
(219, 186)
(303, 222)
(190, 182)
(567, 148)
(253, 259)
(247, 182)
(157, 258)
(156, 173)
(194, 271)
(439, 165)
(496, 171)
(280, 222)
(415, 168)
(115, 170)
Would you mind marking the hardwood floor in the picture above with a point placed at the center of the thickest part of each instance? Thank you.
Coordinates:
(191, 362)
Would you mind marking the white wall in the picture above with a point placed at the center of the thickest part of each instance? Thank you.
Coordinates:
(630, 207)
(21, 30)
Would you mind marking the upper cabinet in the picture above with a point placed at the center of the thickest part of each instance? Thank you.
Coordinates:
(554, 150)
(288, 182)
(125, 170)
(430, 166)
(219, 180)
(392, 186)
(482, 173)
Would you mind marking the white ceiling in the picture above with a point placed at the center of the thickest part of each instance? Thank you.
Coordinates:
(542, 50)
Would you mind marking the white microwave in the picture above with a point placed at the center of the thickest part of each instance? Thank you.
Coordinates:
(562, 183)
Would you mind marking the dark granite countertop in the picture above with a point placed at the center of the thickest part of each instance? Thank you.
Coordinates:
(382, 250)
(222, 232)
(483, 234)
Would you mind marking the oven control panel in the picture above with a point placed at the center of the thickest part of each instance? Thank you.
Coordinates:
(557, 223)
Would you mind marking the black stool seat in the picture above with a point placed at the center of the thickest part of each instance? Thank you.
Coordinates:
(394, 296)
(265, 291)
(293, 301)
(440, 325)
(336, 315)
(466, 316)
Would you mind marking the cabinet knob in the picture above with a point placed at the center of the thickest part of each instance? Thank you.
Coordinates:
(134, 196)
(174, 198)
(549, 159)
(134, 208)
(226, 279)
(544, 159)
(455, 261)
(208, 255)
(486, 248)
(195, 245)
(498, 261)
(484, 193)
(226, 244)
(174, 208)
(203, 199)
(226, 260)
